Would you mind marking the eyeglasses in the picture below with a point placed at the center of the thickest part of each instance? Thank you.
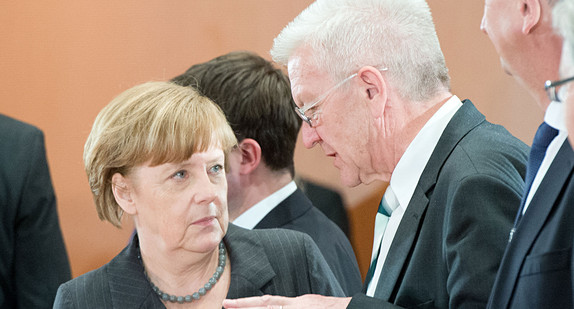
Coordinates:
(551, 88)
(313, 119)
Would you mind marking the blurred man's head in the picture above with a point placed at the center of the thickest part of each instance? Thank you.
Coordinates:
(563, 17)
(521, 32)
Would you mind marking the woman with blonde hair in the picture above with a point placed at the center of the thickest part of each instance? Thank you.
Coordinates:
(157, 152)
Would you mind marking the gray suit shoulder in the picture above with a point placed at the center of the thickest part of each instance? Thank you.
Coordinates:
(84, 291)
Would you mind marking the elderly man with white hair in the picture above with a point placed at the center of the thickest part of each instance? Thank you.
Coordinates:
(370, 81)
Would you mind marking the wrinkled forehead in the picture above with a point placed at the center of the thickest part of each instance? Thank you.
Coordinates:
(307, 80)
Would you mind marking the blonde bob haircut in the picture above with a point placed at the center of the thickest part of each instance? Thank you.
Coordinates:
(155, 122)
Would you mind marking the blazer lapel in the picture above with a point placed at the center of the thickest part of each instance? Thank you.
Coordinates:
(464, 120)
(250, 267)
(545, 198)
(129, 287)
(294, 206)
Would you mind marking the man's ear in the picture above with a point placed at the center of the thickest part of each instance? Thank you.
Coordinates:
(122, 193)
(531, 11)
(375, 89)
(250, 155)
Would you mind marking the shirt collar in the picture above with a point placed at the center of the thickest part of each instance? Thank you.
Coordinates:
(410, 167)
(555, 116)
(252, 216)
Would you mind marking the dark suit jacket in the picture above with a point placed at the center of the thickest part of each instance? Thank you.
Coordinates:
(452, 236)
(277, 262)
(537, 271)
(328, 201)
(33, 259)
(297, 213)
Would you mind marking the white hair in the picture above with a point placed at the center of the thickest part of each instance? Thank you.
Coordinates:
(345, 35)
(563, 20)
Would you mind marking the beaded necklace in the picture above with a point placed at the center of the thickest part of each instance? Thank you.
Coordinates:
(197, 295)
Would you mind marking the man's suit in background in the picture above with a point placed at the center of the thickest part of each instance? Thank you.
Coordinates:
(274, 262)
(328, 201)
(297, 213)
(33, 258)
(537, 269)
(448, 246)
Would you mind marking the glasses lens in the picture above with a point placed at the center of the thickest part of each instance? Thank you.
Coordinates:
(303, 116)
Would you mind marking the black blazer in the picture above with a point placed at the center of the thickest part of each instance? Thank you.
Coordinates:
(328, 201)
(537, 270)
(33, 259)
(277, 262)
(297, 213)
(452, 236)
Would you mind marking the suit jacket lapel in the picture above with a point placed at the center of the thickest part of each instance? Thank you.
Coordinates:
(294, 206)
(464, 120)
(250, 267)
(129, 287)
(544, 200)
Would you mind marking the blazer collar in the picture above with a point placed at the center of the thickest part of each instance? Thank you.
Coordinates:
(126, 272)
(465, 119)
(546, 197)
(294, 206)
(250, 267)
(250, 271)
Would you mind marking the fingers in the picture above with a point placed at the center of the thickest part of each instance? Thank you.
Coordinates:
(262, 302)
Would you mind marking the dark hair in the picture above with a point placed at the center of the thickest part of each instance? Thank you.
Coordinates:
(255, 97)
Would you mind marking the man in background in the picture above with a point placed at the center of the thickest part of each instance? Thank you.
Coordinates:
(535, 271)
(328, 201)
(257, 102)
(33, 258)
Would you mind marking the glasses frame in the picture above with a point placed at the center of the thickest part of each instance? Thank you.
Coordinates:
(551, 88)
(301, 110)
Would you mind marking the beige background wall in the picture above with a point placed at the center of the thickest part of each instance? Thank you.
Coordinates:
(62, 61)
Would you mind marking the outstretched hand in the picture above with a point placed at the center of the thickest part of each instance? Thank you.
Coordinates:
(280, 302)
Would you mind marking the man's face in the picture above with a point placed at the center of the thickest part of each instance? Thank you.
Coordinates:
(342, 132)
(500, 23)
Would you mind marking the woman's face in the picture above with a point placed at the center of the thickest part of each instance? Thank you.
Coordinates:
(181, 205)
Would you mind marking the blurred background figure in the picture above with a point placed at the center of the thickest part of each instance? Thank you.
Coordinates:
(535, 271)
(33, 259)
(158, 152)
(328, 201)
(256, 99)
(563, 19)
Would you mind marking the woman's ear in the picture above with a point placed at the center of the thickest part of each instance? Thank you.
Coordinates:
(122, 193)
(375, 88)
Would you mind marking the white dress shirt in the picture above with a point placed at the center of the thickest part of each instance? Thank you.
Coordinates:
(406, 176)
(554, 117)
(250, 218)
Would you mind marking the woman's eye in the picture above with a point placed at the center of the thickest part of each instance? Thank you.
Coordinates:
(180, 174)
(216, 169)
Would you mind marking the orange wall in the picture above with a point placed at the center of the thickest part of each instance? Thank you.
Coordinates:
(62, 61)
